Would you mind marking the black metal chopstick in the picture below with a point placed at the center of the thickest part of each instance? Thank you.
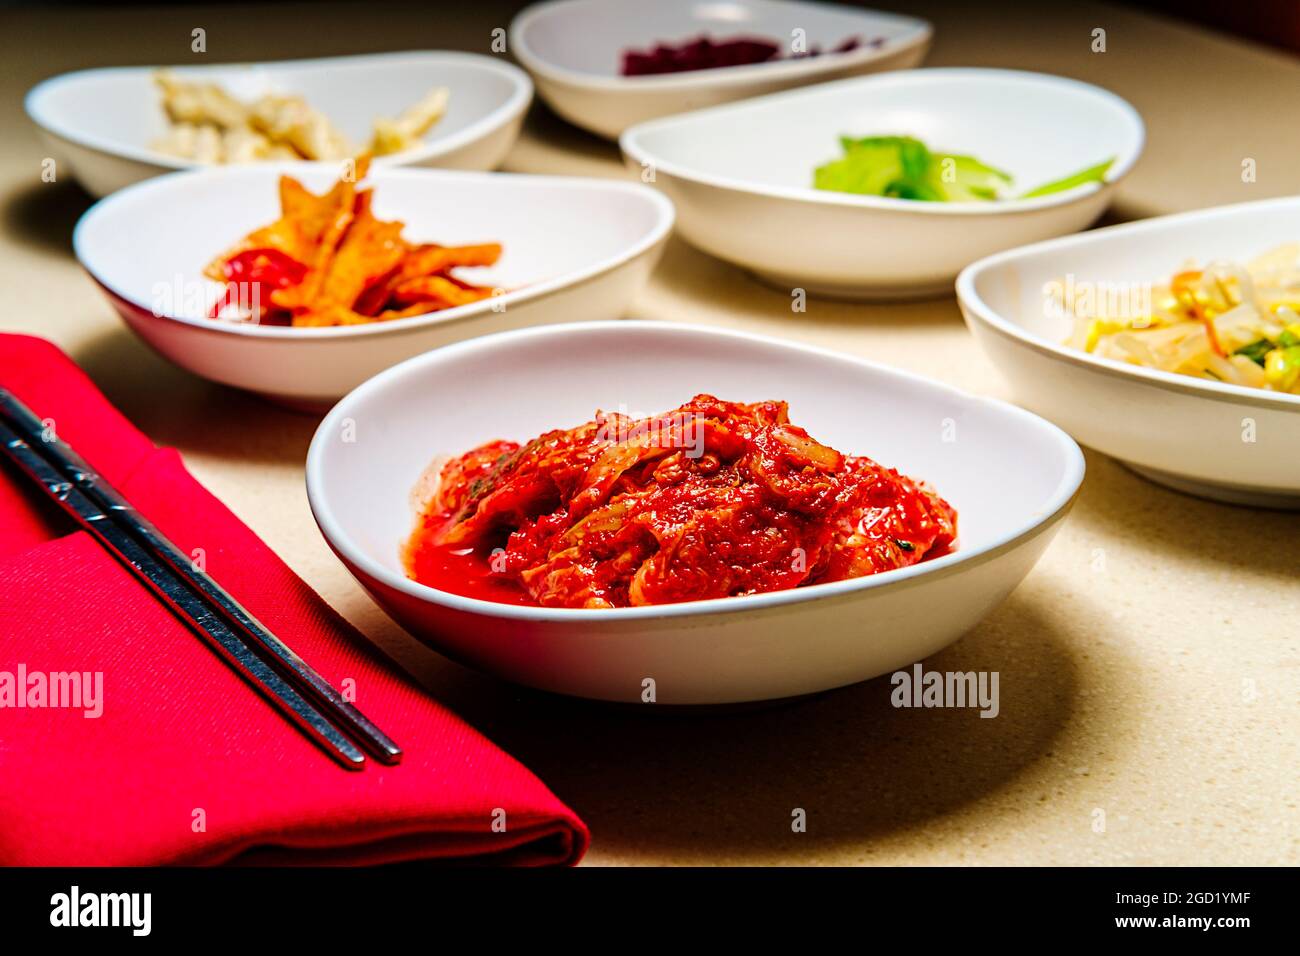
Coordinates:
(76, 470)
(180, 599)
(190, 592)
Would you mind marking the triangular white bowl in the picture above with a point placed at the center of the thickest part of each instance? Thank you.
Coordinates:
(573, 48)
(1220, 441)
(574, 249)
(741, 175)
(99, 123)
(1011, 476)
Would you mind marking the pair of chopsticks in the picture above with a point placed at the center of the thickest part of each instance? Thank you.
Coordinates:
(256, 654)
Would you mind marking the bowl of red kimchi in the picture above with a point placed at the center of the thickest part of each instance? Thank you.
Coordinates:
(636, 511)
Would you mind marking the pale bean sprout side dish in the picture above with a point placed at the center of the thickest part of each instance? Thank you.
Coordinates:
(1227, 322)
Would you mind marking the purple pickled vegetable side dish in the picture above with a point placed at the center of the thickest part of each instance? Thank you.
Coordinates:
(705, 53)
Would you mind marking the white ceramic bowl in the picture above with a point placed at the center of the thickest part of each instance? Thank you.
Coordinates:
(741, 175)
(1226, 442)
(1011, 476)
(147, 245)
(100, 122)
(573, 48)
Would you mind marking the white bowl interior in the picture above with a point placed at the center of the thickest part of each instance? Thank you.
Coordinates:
(121, 106)
(589, 36)
(1036, 127)
(1114, 265)
(161, 265)
(518, 385)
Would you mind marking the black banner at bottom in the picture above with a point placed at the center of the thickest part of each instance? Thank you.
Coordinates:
(333, 905)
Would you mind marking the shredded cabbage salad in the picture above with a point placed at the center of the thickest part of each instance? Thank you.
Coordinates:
(1227, 322)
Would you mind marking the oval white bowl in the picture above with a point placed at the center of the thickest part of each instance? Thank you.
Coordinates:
(741, 175)
(573, 48)
(1011, 475)
(1220, 441)
(146, 246)
(100, 122)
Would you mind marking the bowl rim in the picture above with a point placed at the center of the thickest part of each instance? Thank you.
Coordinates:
(665, 215)
(521, 95)
(919, 34)
(357, 560)
(977, 311)
(634, 150)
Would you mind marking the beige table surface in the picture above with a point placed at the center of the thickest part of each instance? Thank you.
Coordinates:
(1149, 664)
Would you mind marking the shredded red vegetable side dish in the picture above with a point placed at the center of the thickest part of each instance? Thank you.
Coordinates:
(712, 499)
(704, 53)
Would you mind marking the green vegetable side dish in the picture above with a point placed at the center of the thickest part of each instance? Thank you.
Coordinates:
(903, 167)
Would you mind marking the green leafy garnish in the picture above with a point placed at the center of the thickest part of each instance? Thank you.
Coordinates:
(868, 168)
(965, 178)
(1256, 351)
(903, 167)
(1093, 174)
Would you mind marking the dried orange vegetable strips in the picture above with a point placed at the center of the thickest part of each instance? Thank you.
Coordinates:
(328, 261)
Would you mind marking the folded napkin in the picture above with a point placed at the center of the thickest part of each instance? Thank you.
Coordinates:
(175, 759)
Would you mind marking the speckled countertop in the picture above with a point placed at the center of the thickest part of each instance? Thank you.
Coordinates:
(1150, 664)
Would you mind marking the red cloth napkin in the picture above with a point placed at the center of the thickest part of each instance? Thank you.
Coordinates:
(186, 763)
